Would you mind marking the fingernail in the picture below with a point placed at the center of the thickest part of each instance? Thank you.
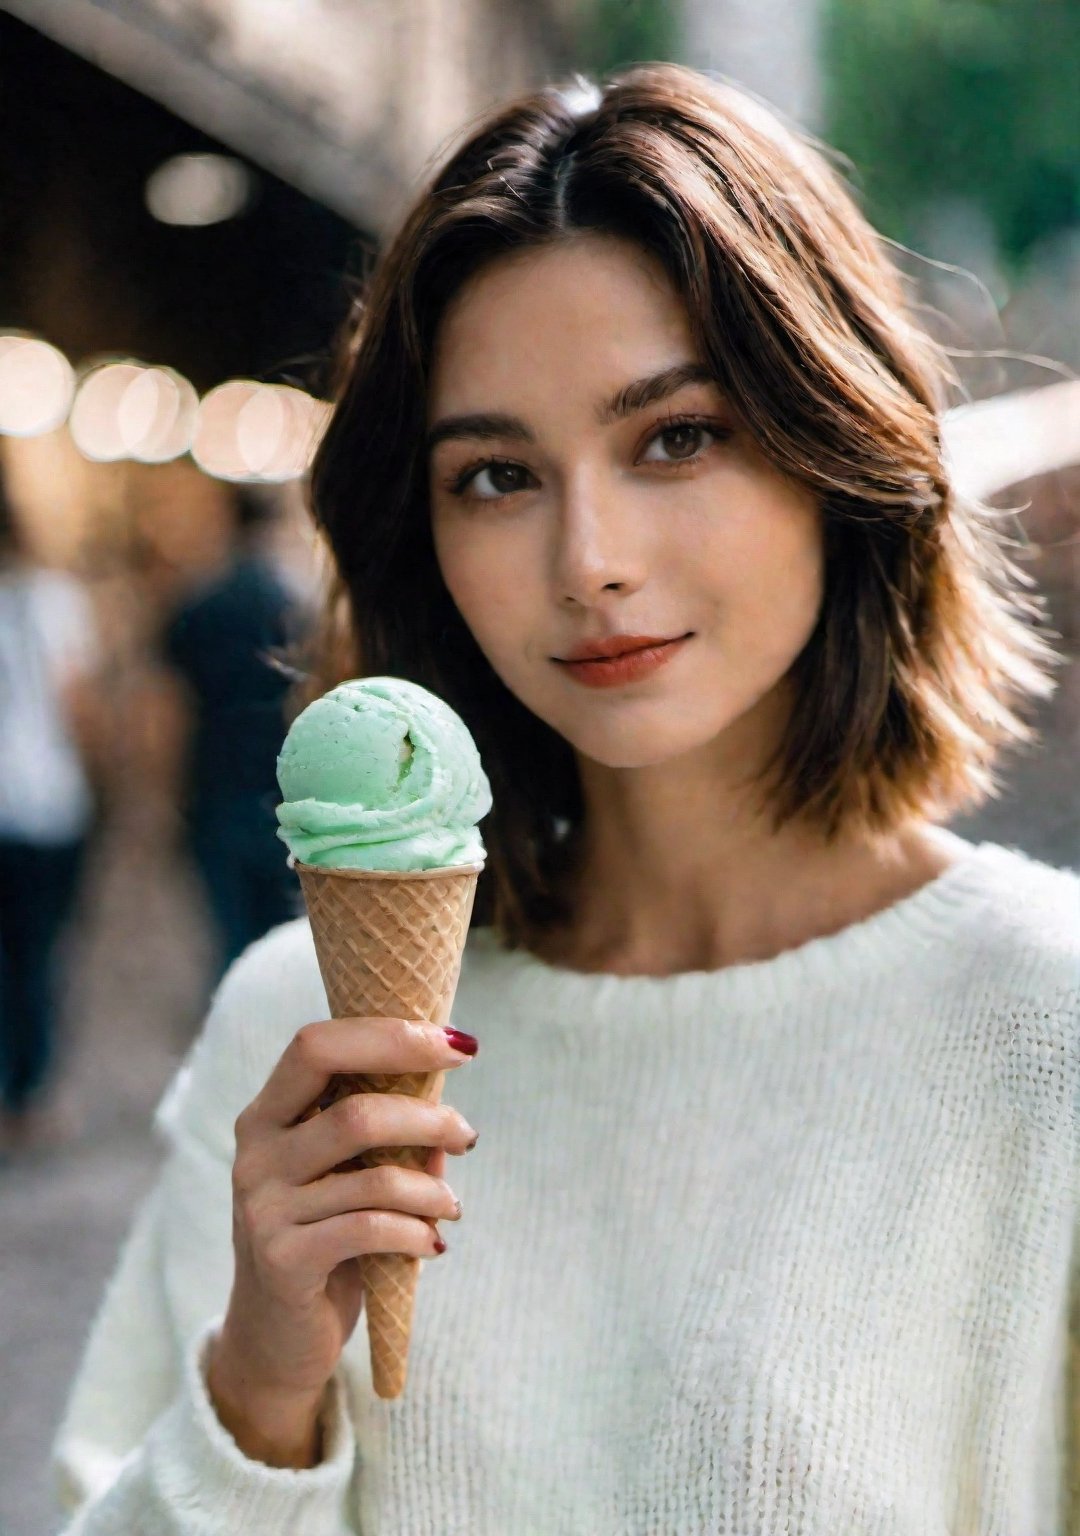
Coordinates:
(476, 1138)
(440, 1246)
(468, 1045)
(457, 1210)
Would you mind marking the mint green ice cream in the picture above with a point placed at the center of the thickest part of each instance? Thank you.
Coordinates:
(381, 774)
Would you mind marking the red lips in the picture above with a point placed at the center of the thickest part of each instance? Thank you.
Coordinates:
(614, 645)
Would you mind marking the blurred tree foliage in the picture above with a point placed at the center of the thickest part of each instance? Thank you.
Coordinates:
(972, 98)
(612, 33)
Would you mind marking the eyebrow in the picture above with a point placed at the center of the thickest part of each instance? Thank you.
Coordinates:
(632, 397)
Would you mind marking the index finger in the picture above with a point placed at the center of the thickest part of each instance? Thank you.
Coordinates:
(318, 1052)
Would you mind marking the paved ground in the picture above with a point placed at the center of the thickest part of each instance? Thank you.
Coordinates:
(136, 973)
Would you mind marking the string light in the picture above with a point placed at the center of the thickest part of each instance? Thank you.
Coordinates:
(120, 409)
(156, 415)
(36, 386)
(95, 421)
(251, 431)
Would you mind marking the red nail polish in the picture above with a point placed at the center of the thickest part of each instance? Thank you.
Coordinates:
(440, 1246)
(468, 1044)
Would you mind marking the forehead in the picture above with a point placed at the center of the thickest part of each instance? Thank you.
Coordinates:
(589, 312)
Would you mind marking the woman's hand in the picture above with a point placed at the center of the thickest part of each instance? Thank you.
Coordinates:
(299, 1226)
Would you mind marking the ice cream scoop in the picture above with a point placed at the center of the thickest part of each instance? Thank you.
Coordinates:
(381, 774)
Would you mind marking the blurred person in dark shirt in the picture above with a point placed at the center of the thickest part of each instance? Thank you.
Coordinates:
(224, 641)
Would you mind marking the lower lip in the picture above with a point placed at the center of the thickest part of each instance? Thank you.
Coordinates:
(613, 671)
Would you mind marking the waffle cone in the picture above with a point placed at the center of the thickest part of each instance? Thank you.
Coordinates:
(389, 944)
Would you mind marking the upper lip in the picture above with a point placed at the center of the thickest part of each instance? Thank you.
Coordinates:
(615, 645)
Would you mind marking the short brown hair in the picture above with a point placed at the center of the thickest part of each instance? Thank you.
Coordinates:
(923, 651)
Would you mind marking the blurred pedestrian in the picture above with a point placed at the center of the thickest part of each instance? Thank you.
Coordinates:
(49, 655)
(222, 644)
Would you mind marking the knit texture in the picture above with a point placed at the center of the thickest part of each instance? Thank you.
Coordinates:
(785, 1248)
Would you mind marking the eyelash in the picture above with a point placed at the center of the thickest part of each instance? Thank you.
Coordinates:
(458, 484)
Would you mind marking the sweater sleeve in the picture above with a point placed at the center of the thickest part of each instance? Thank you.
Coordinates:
(140, 1450)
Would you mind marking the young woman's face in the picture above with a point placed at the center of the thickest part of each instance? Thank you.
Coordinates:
(572, 518)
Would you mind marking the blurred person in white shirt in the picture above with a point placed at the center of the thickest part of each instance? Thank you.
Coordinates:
(49, 654)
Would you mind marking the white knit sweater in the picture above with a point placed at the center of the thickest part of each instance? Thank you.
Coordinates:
(788, 1247)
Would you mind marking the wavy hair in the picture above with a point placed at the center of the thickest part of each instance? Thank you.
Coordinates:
(926, 647)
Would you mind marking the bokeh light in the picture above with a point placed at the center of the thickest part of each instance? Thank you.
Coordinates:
(129, 410)
(261, 432)
(36, 386)
(156, 415)
(95, 417)
(198, 189)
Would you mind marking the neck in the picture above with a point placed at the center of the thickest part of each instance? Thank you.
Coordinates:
(678, 871)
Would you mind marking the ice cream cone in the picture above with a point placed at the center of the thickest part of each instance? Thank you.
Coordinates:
(389, 944)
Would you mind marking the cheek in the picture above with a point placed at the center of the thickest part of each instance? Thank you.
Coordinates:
(459, 566)
(788, 577)
(762, 581)
(772, 561)
(493, 604)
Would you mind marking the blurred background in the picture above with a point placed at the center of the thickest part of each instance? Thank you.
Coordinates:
(189, 190)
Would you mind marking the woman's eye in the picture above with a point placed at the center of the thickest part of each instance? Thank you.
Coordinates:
(492, 481)
(681, 442)
(501, 478)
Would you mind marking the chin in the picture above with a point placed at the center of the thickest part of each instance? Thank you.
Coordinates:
(663, 729)
(641, 745)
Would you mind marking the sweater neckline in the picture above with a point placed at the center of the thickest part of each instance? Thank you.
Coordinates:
(888, 938)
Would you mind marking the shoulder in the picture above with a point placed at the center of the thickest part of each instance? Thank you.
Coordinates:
(265, 996)
(260, 571)
(1024, 969)
(192, 606)
(1030, 922)
(249, 579)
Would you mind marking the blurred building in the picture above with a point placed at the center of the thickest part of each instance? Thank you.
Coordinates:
(768, 46)
(346, 102)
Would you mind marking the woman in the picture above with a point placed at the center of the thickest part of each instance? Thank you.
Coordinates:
(770, 1224)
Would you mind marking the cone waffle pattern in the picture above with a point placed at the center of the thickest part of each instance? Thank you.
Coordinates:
(389, 945)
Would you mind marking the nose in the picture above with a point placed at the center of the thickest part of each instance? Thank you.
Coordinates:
(597, 547)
